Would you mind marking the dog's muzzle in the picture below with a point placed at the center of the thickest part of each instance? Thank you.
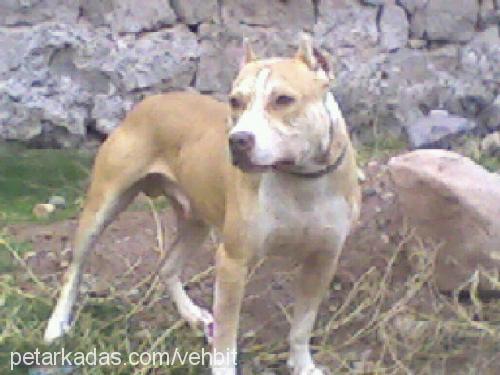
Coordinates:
(241, 145)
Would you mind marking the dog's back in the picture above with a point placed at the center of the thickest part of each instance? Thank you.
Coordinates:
(179, 139)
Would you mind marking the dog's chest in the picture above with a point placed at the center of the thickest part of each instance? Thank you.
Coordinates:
(295, 218)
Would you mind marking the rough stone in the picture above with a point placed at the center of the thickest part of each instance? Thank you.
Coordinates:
(107, 110)
(133, 16)
(445, 20)
(196, 11)
(31, 12)
(373, 2)
(411, 6)
(67, 71)
(221, 52)
(429, 131)
(455, 204)
(394, 28)
(296, 14)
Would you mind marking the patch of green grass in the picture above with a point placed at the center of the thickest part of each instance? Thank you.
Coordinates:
(491, 163)
(470, 146)
(380, 147)
(31, 176)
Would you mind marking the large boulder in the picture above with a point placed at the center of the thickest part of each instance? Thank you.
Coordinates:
(455, 204)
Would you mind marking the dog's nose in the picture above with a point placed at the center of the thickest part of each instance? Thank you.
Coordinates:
(241, 141)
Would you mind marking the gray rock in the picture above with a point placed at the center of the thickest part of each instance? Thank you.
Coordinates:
(411, 6)
(196, 11)
(438, 125)
(221, 52)
(394, 28)
(31, 12)
(296, 14)
(159, 60)
(344, 27)
(96, 11)
(445, 20)
(373, 2)
(132, 16)
(108, 110)
(220, 56)
(57, 201)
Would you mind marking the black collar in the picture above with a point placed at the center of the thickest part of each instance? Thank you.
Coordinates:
(328, 169)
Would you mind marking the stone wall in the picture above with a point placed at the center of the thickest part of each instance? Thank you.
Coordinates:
(70, 68)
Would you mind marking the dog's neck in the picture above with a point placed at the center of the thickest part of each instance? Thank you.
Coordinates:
(323, 170)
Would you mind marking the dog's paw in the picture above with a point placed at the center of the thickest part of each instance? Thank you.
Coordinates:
(56, 328)
(197, 317)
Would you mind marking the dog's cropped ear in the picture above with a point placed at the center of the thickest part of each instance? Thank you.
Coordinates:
(248, 53)
(305, 53)
(313, 57)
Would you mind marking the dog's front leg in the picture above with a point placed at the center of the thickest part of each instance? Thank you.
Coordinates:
(229, 290)
(312, 282)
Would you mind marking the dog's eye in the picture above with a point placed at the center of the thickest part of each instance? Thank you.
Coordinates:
(236, 104)
(284, 100)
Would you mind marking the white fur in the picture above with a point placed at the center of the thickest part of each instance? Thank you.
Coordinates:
(294, 216)
(255, 120)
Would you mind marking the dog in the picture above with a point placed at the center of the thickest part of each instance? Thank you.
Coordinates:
(273, 171)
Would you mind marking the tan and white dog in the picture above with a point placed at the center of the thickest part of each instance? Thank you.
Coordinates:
(274, 172)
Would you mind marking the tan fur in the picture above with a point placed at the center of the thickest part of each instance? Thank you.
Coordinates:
(176, 144)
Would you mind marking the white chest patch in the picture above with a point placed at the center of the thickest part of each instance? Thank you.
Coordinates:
(296, 218)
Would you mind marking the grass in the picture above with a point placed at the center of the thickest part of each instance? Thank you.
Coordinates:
(31, 176)
(381, 147)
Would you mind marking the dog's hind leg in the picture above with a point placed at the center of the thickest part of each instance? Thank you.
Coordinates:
(110, 192)
(191, 235)
(100, 210)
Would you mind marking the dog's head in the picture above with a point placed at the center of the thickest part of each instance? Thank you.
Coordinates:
(279, 111)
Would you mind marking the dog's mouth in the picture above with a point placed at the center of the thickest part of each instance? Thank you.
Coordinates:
(247, 166)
